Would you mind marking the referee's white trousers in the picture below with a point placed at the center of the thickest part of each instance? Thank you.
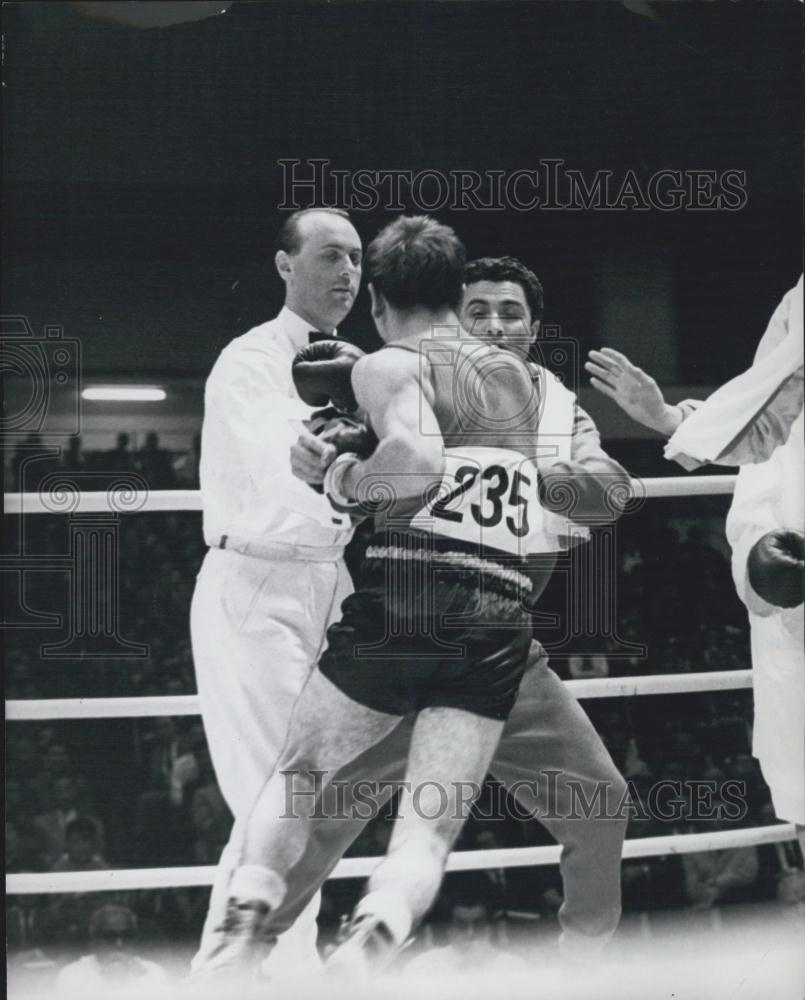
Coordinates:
(257, 628)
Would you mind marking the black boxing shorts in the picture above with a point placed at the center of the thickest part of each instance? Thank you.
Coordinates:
(431, 626)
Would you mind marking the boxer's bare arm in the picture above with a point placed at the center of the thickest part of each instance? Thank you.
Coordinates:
(389, 390)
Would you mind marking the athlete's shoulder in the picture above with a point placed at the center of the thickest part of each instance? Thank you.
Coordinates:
(385, 375)
(388, 366)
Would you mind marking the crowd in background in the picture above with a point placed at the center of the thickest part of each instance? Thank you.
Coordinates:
(90, 795)
(33, 460)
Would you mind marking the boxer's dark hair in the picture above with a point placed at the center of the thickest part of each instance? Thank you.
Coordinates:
(289, 238)
(508, 269)
(416, 261)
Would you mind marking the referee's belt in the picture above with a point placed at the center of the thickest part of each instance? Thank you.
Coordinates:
(280, 551)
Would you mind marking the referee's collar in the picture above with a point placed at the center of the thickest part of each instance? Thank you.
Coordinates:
(297, 329)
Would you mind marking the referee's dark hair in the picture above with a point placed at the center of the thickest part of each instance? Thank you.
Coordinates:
(417, 261)
(508, 269)
(289, 238)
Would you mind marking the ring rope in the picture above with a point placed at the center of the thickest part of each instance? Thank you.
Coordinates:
(123, 879)
(151, 501)
(144, 501)
(40, 709)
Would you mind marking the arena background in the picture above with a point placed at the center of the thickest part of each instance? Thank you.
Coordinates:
(141, 194)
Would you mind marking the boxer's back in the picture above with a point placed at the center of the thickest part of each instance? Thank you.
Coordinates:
(487, 410)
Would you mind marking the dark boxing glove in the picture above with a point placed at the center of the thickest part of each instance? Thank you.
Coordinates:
(322, 374)
(343, 432)
(775, 567)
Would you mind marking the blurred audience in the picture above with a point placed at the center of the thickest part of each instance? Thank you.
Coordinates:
(162, 469)
(112, 968)
(471, 946)
(723, 876)
(55, 823)
(155, 464)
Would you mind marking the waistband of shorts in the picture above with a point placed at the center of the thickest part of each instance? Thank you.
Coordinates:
(278, 551)
(455, 560)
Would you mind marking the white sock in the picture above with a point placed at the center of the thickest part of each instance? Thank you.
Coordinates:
(257, 882)
(391, 908)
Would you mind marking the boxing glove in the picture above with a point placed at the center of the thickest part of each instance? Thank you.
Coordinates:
(322, 374)
(775, 567)
(344, 432)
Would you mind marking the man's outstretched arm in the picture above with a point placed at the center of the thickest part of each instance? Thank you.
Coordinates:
(597, 479)
(638, 395)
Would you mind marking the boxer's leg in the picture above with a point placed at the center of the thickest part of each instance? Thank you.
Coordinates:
(450, 753)
(326, 730)
(554, 761)
(257, 628)
(360, 791)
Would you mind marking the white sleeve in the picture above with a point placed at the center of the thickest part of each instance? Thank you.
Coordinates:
(745, 420)
(248, 409)
(753, 513)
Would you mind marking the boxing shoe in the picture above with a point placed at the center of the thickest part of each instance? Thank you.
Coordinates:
(242, 943)
(367, 947)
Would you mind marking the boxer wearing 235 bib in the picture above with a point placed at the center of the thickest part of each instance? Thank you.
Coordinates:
(442, 570)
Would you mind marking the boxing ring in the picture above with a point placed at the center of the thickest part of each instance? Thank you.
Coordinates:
(143, 501)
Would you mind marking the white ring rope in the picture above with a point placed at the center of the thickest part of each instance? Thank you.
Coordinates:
(40, 709)
(124, 879)
(606, 687)
(150, 501)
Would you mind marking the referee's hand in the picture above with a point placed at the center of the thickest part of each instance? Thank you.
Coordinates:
(311, 457)
(634, 390)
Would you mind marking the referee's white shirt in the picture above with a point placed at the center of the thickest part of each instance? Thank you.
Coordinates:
(250, 412)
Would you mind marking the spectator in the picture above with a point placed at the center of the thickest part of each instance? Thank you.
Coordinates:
(719, 876)
(23, 755)
(56, 763)
(66, 918)
(72, 459)
(212, 819)
(82, 848)
(715, 877)
(13, 860)
(26, 843)
(112, 967)
(54, 823)
(591, 665)
(493, 884)
(164, 827)
(161, 748)
(470, 948)
(186, 466)
(119, 459)
(155, 463)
